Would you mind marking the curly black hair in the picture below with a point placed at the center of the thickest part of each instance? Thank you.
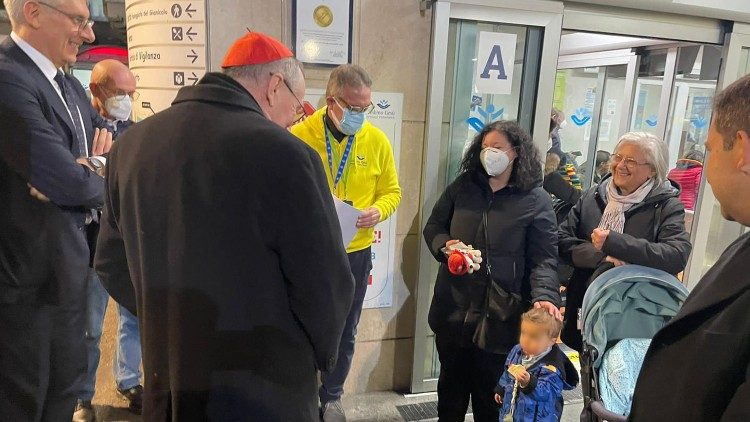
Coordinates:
(527, 167)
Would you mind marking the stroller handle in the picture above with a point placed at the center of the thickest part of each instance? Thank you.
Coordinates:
(599, 410)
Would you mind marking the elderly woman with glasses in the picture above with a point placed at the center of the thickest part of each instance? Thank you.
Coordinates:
(634, 216)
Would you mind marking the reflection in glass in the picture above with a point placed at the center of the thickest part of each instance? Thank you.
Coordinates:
(722, 233)
(575, 95)
(648, 92)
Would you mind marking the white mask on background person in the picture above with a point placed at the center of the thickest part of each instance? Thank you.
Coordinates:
(563, 124)
(119, 107)
(494, 161)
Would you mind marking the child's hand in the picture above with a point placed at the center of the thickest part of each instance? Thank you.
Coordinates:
(498, 399)
(524, 378)
(520, 374)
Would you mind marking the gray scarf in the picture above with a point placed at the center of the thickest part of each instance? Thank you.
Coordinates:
(617, 204)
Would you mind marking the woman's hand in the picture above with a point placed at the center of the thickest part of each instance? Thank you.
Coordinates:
(598, 237)
(550, 307)
(447, 249)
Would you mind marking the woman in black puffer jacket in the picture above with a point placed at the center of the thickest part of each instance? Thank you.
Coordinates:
(498, 206)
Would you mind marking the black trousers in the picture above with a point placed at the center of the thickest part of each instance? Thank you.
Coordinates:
(467, 373)
(332, 383)
(42, 355)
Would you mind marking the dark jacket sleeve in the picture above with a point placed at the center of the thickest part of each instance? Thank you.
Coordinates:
(312, 256)
(575, 251)
(556, 184)
(437, 229)
(40, 155)
(669, 253)
(111, 262)
(541, 251)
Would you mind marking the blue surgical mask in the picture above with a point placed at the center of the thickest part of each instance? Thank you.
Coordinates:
(351, 123)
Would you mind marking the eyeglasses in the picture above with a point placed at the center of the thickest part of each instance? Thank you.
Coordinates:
(354, 109)
(630, 162)
(82, 22)
(299, 112)
(120, 93)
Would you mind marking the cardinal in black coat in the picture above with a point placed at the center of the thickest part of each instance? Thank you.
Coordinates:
(221, 234)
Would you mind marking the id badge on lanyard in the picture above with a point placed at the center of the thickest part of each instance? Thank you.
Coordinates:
(344, 159)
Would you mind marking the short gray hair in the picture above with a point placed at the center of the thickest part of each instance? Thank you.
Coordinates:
(347, 75)
(15, 10)
(653, 148)
(732, 111)
(290, 68)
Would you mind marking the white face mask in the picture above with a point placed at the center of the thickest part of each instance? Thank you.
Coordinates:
(563, 124)
(494, 161)
(119, 107)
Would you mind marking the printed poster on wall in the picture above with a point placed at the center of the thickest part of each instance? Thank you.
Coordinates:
(322, 31)
(496, 57)
(387, 117)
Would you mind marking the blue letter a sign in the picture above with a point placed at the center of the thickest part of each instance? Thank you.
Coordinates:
(494, 64)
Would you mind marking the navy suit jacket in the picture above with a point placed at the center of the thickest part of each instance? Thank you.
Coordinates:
(43, 251)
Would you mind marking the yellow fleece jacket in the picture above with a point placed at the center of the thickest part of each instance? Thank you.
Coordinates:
(369, 178)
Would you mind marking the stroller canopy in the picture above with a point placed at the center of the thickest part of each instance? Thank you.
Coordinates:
(630, 301)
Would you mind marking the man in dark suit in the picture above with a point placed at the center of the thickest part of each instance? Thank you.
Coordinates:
(220, 230)
(48, 187)
(698, 365)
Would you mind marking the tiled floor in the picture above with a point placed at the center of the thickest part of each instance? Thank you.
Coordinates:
(365, 408)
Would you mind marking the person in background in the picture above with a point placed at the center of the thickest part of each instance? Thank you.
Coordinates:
(220, 231)
(51, 167)
(113, 91)
(634, 216)
(497, 205)
(698, 366)
(566, 167)
(554, 182)
(112, 88)
(601, 165)
(361, 172)
(687, 174)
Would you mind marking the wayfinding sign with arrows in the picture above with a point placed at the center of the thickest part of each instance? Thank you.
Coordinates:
(167, 48)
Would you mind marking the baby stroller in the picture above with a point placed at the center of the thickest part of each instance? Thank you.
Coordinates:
(621, 312)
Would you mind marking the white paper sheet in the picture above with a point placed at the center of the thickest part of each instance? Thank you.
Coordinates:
(348, 216)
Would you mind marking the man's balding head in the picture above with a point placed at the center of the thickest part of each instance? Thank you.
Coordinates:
(110, 78)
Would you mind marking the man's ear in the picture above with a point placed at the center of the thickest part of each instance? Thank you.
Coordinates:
(271, 90)
(742, 144)
(31, 14)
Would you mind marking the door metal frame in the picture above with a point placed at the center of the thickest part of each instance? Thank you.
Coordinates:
(707, 205)
(539, 13)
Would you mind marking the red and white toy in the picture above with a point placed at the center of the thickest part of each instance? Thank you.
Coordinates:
(462, 259)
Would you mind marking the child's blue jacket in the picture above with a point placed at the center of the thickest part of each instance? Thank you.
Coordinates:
(541, 400)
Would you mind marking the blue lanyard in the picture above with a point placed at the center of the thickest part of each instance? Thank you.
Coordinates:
(344, 158)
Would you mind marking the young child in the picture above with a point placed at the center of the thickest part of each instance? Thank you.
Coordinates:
(530, 390)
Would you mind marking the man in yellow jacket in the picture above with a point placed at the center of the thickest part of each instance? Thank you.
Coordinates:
(361, 170)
